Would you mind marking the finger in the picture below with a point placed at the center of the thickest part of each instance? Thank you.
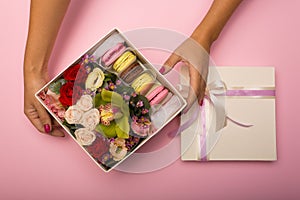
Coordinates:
(57, 130)
(55, 124)
(195, 87)
(170, 63)
(33, 116)
(203, 80)
(202, 91)
(45, 120)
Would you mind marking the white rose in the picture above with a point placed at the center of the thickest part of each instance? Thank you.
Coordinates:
(94, 79)
(90, 119)
(84, 136)
(85, 102)
(118, 149)
(73, 114)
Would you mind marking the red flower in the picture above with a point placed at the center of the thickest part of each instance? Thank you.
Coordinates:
(71, 73)
(98, 148)
(81, 76)
(70, 93)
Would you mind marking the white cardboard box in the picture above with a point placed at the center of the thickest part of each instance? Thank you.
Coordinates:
(105, 43)
(256, 108)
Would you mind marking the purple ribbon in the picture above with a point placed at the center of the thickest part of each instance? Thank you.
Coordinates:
(229, 93)
(254, 93)
(203, 135)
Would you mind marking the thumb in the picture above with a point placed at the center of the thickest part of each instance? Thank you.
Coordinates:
(170, 63)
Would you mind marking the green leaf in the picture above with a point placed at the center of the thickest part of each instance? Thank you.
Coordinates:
(122, 127)
(55, 86)
(106, 95)
(72, 127)
(97, 101)
(137, 111)
(112, 97)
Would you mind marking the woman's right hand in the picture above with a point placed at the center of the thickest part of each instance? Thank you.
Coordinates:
(34, 111)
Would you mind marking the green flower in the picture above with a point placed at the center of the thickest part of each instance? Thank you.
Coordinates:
(114, 115)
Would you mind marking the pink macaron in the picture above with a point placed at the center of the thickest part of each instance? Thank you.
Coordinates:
(112, 54)
(157, 95)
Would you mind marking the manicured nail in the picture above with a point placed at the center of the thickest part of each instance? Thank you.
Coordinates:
(201, 102)
(47, 128)
(162, 70)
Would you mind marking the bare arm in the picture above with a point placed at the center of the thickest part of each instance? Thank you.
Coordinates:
(213, 23)
(195, 58)
(45, 19)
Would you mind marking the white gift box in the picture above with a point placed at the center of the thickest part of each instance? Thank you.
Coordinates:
(250, 130)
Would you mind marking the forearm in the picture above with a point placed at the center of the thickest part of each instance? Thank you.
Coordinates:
(45, 19)
(214, 21)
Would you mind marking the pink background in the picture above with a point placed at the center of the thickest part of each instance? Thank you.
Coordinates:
(34, 166)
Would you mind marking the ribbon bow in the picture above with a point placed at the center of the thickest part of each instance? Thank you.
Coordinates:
(215, 95)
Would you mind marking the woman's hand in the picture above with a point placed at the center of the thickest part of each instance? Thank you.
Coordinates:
(44, 23)
(194, 54)
(34, 111)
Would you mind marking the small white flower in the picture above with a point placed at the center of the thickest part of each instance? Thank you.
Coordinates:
(84, 136)
(85, 102)
(90, 119)
(73, 114)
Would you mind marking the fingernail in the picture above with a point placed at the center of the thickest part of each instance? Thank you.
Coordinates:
(47, 128)
(162, 70)
(201, 102)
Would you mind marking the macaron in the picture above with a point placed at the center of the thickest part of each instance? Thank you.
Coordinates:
(112, 54)
(157, 95)
(124, 61)
(143, 83)
(131, 72)
(156, 107)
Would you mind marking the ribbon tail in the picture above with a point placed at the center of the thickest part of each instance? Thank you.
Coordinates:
(239, 123)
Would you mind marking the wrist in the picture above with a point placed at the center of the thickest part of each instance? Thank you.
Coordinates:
(35, 70)
(204, 37)
(36, 67)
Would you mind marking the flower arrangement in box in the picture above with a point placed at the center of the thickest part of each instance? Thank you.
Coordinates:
(104, 114)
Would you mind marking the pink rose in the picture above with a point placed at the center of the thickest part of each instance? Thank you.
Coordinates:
(84, 136)
(73, 114)
(90, 119)
(85, 102)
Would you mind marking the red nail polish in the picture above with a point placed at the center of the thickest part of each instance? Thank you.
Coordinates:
(47, 128)
(201, 102)
(162, 70)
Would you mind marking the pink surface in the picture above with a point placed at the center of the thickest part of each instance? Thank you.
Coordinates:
(34, 166)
